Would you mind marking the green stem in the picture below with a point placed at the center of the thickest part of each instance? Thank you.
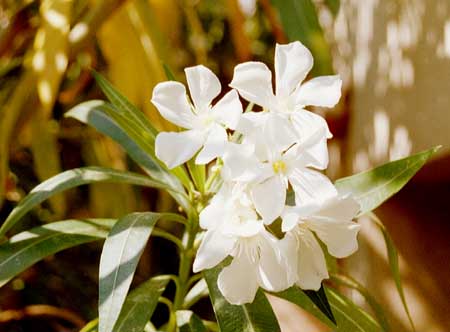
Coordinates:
(186, 258)
(166, 235)
(194, 279)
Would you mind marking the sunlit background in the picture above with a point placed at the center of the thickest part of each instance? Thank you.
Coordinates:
(393, 57)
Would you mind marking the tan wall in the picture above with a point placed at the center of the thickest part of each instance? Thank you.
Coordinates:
(395, 54)
(395, 57)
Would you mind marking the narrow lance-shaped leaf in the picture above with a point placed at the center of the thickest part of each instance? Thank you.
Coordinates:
(320, 300)
(29, 247)
(126, 114)
(297, 296)
(96, 114)
(198, 174)
(123, 106)
(140, 305)
(393, 265)
(300, 22)
(70, 179)
(187, 321)
(121, 252)
(349, 316)
(199, 290)
(347, 281)
(254, 317)
(373, 187)
(169, 74)
(92, 326)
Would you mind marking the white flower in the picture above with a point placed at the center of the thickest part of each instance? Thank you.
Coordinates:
(332, 223)
(269, 167)
(233, 229)
(205, 123)
(293, 61)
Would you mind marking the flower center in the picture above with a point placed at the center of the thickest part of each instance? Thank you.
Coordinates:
(206, 119)
(279, 166)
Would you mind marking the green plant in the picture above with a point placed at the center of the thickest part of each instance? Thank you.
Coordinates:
(190, 188)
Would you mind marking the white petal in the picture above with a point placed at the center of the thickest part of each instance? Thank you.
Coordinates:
(278, 134)
(240, 163)
(292, 63)
(251, 121)
(214, 145)
(214, 248)
(312, 267)
(238, 281)
(272, 273)
(203, 84)
(296, 215)
(289, 254)
(339, 208)
(269, 198)
(322, 91)
(334, 227)
(339, 237)
(272, 135)
(212, 215)
(309, 126)
(290, 219)
(253, 80)
(228, 110)
(176, 148)
(239, 226)
(314, 155)
(171, 101)
(318, 153)
(311, 186)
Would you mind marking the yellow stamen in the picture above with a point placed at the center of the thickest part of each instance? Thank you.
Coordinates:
(279, 166)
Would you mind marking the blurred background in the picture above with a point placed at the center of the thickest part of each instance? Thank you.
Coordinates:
(393, 57)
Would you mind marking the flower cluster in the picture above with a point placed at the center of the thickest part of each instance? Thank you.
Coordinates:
(282, 147)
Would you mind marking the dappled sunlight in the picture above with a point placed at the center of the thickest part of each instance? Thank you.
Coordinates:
(401, 144)
(398, 45)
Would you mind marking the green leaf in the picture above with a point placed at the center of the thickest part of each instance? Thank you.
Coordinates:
(393, 265)
(131, 118)
(300, 22)
(121, 252)
(198, 174)
(373, 187)
(349, 316)
(123, 106)
(333, 6)
(187, 321)
(254, 317)
(26, 248)
(92, 326)
(297, 296)
(140, 305)
(349, 282)
(320, 300)
(70, 179)
(96, 114)
(169, 74)
(198, 291)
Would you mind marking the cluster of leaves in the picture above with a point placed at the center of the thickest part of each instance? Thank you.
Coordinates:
(125, 238)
